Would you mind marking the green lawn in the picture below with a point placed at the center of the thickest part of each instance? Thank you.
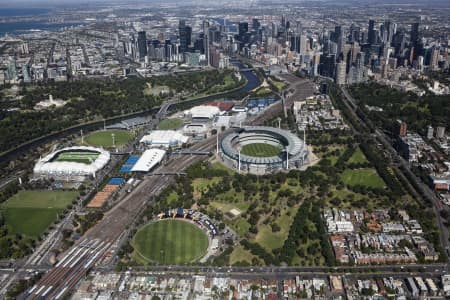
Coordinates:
(169, 124)
(104, 138)
(31, 212)
(271, 240)
(170, 242)
(357, 157)
(240, 225)
(78, 156)
(200, 185)
(239, 254)
(260, 150)
(365, 177)
(30, 221)
(41, 199)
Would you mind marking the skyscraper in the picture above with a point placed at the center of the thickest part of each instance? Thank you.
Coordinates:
(371, 34)
(142, 44)
(206, 41)
(183, 36)
(255, 24)
(341, 73)
(243, 29)
(415, 34)
(416, 45)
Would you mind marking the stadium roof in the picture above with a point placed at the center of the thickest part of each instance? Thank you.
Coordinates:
(164, 138)
(203, 112)
(293, 145)
(47, 166)
(149, 159)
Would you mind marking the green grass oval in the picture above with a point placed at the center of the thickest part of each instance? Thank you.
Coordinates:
(260, 150)
(169, 242)
(104, 138)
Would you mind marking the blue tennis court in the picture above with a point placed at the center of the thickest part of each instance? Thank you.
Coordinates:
(116, 181)
(129, 164)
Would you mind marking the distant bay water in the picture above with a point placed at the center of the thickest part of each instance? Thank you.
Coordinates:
(15, 12)
(25, 26)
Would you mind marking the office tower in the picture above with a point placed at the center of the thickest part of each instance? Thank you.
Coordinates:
(434, 59)
(243, 29)
(430, 132)
(168, 50)
(299, 27)
(388, 32)
(206, 41)
(188, 36)
(26, 73)
(399, 42)
(402, 128)
(355, 34)
(12, 70)
(341, 73)
(303, 44)
(415, 34)
(255, 24)
(183, 36)
(440, 132)
(142, 44)
(371, 34)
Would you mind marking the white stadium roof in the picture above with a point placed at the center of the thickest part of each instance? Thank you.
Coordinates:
(47, 166)
(164, 138)
(149, 159)
(203, 112)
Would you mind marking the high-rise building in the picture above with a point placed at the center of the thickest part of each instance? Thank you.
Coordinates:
(430, 132)
(434, 59)
(12, 70)
(415, 34)
(371, 34)
(183, 36)
(341, 73)
(440, 132)
(243, 29)
(402, 128)
(26, 73)
(255, 24)
(142, 44)
(206, 41)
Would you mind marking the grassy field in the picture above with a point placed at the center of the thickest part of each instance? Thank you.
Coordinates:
(239, 254)
(271, 240)
(170, 242)
(41, 199)
(365, 177)
(78, 156)
(260, 150)
(169, 124)
(201, 185)
(104, 138)
(30, 221)
(31, 212)
(155, 91)
(357, 157)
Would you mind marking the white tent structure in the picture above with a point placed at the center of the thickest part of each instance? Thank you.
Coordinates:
(202, 112)
(149, 159)
(164, 139)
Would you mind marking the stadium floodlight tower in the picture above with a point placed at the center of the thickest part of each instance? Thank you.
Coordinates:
(279, 122)
(239, 149)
